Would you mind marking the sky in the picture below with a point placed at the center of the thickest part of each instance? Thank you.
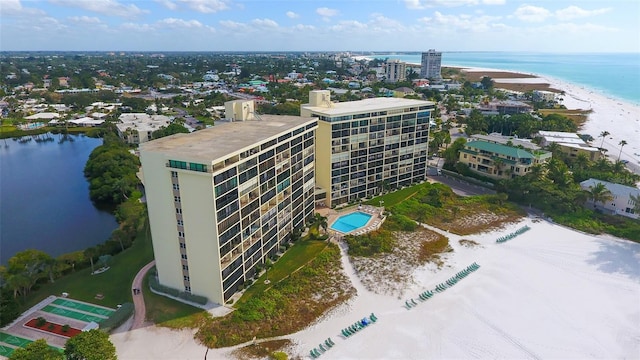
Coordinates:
(321, 25)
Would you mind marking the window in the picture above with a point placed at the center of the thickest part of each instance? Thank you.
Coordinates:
(174, 174)
(186, 278)
(180, 223)
(180, 234)
(185, 267)
(183, 245)
(187, 289)
(176, 199)
(178, 211)
(176, 187)
(198, 167)
(183, 256)
(178, 164)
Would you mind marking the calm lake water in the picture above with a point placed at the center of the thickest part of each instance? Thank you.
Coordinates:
(44, 197)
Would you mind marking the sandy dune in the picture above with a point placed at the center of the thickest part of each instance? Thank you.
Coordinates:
(549, 293)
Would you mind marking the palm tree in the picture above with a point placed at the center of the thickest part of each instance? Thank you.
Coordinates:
(603, 135)
(599, 194)
(622, 143)
(321, 221)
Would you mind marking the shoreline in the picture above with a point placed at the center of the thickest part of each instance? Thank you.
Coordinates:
(616, 116)
(619, 117)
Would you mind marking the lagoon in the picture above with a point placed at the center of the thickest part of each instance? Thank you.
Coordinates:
(44, 196)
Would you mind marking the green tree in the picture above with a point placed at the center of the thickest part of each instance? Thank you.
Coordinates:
(603, 135)
(90, 345)
(622, 143)
(599, 194)
(37, 350)
(25, 268)
(451, 153)
(487, 82)
(321, 221)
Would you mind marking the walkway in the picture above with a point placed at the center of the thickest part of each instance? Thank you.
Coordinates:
(138, 299)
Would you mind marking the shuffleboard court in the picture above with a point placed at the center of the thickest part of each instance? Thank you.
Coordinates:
(14, 340)
(6, 351)
(83, 307)
(71, 314)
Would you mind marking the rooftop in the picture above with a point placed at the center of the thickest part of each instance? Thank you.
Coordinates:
(224, 138)
(616, 189)
(500, 149)
(500, 139)
(366, 105)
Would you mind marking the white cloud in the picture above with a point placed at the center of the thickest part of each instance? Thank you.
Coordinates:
(15, 8)
(302, 27)
(232, 25)
(380, 22)
(267, 23)
(574, 12)
(348, 25)
(326, 12)
(105, 7)
(206, 6)
(180, 23)
(168, 4)
(424, 4)
(462, 22)
(580, 29)
(84, 19)
(292, 15)
(530, 13)
(129, 26)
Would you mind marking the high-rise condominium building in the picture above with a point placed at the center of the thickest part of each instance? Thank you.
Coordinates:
(223, 200)
(395, 70)
(431, 64)
(368, 145)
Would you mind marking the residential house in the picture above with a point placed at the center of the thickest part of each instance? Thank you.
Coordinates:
(620, 203)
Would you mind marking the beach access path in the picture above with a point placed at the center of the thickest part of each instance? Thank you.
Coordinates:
(138, 296)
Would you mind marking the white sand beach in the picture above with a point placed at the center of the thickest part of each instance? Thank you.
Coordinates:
(551, 292)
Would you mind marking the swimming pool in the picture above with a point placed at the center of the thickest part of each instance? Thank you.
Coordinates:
(350, 222)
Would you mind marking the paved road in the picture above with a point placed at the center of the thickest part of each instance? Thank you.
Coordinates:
(461, 187)
(138, 299)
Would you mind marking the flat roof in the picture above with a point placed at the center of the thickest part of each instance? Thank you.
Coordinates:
(366, 105)
(225, 138)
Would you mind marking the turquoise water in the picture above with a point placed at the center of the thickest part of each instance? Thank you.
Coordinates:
(351, 222)
(614, 74)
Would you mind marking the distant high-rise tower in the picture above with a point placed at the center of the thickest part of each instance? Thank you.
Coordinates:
(395, 70)
(431, 62)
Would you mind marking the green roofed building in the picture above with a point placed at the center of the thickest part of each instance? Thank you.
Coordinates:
(500, 161)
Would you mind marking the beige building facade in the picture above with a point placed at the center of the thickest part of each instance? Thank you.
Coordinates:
(366, 146)
(499, 161)
(224, 199)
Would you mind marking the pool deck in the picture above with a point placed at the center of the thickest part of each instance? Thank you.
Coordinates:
(373, 224)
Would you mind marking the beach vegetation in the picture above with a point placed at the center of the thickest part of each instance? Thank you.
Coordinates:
(264, 349)
(286, 306)
(371, 243)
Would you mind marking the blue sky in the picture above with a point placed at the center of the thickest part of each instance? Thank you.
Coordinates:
(316, 25)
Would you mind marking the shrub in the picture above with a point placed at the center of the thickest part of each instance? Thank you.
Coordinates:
(65, 328)
(40, 321)
(117, 318)
(51, 327)
(278, 355)
(193, 298)
(371, 244)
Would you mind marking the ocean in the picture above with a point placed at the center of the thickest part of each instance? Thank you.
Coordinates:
(614, 74)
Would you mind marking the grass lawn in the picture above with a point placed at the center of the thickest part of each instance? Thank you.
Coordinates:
(298, 255)
(168, 312)
(395, 197)
(114, 284)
